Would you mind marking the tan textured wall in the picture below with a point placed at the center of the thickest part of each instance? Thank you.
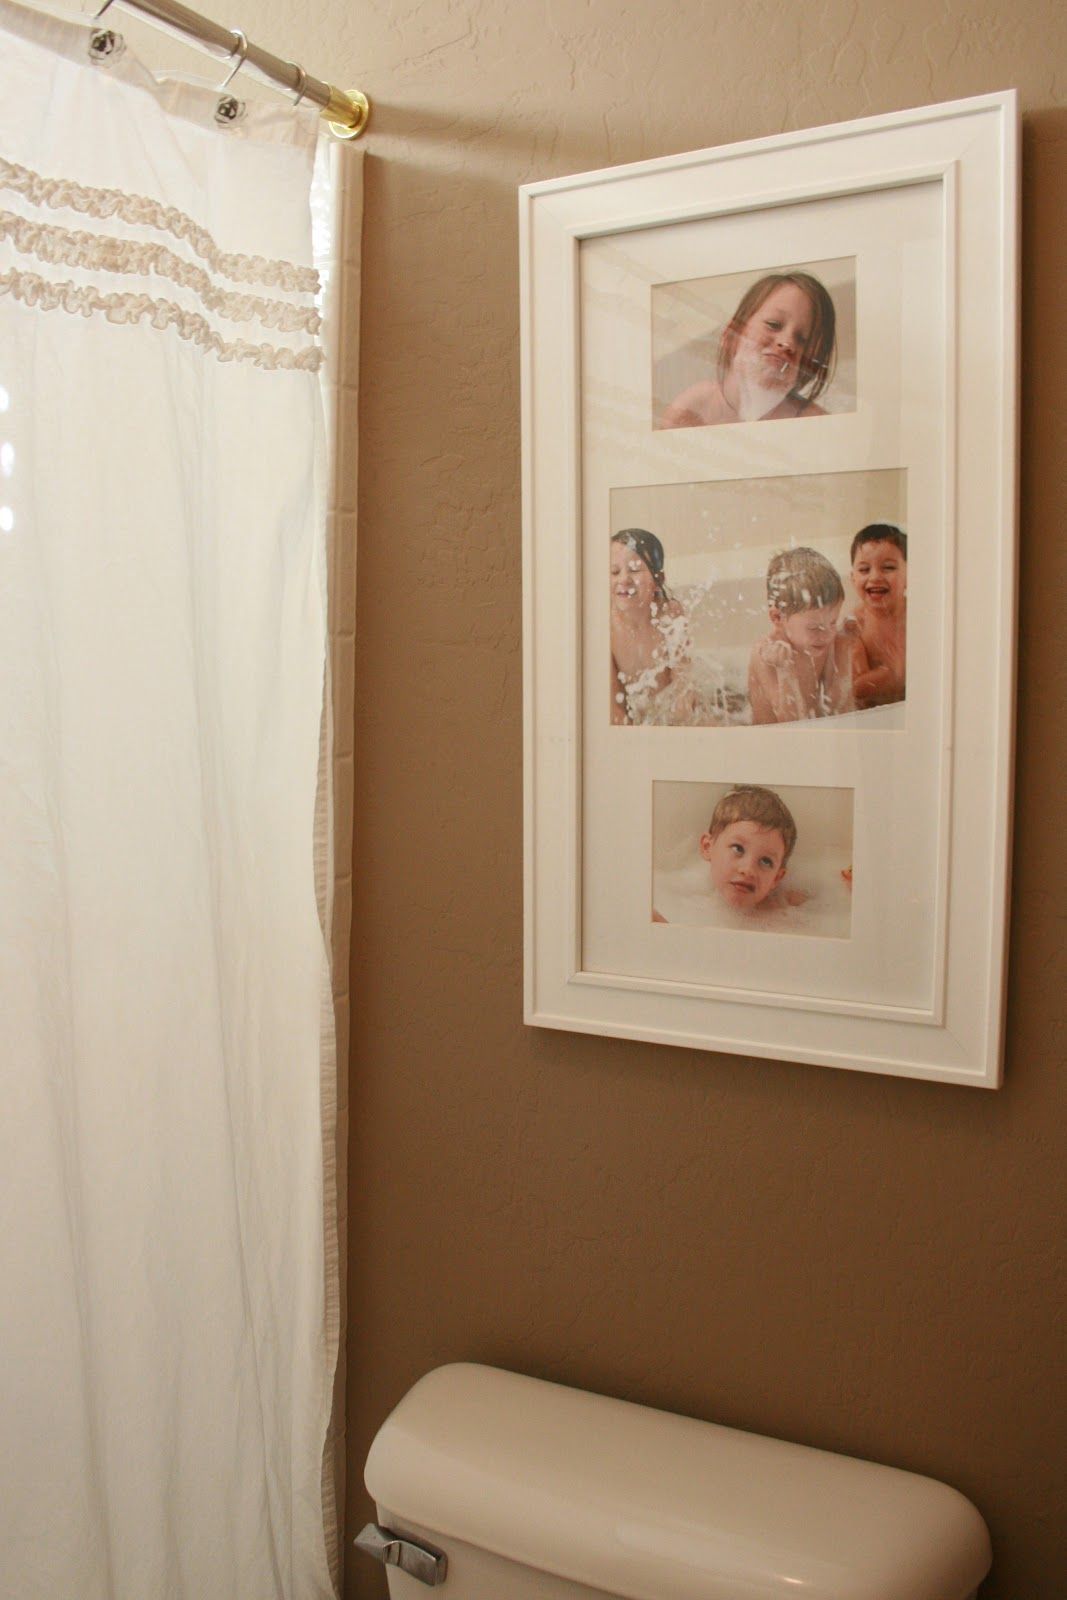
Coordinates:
(853, 1262)
(862, 1264)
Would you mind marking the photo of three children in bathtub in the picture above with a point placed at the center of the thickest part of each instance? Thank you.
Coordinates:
(759, 601)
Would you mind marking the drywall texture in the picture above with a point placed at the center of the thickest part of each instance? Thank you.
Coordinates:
(863, 1264)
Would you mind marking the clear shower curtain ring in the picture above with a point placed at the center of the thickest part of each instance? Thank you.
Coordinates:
(240, 50)
(301, 84)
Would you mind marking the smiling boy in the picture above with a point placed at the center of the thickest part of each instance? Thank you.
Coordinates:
(877, 629)
(803, 667)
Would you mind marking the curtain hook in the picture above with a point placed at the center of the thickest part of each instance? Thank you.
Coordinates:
(301, 84)
(240, 50)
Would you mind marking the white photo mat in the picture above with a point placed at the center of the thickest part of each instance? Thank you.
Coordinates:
(925, 204)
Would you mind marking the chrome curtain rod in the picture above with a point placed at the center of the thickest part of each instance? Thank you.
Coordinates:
(346, 113)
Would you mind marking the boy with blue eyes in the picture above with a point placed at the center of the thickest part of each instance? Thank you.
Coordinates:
(749, 840)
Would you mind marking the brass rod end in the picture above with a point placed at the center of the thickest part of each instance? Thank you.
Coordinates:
(347, 114)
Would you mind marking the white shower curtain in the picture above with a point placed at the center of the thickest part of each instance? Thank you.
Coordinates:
(165, 1359)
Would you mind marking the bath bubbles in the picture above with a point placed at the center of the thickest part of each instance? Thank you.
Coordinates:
(682, 894)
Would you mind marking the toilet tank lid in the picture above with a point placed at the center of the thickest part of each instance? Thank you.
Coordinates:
(651, 1506)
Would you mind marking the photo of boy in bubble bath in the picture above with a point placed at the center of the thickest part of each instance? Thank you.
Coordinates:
(749, 840)
(747, 847)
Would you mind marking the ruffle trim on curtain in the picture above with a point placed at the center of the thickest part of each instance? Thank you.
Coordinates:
(61, 193)
(68, 264)
(103, 253)
(129, 308)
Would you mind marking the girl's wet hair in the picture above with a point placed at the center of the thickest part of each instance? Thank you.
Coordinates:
(880, 533)
(819, 356)
(802, 580)
(648, 547)
(749, 803)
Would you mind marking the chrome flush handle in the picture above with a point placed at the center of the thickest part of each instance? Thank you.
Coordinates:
(420, 1561)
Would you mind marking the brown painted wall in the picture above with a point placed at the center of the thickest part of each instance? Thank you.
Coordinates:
(863, 1264)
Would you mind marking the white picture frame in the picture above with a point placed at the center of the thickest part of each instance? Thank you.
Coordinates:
(915, 217)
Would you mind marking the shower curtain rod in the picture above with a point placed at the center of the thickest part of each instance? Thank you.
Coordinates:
(346, 113)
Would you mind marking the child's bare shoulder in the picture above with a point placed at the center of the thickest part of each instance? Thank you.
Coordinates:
(782, 900)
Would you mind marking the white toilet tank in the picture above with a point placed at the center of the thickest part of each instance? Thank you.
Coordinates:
(524, 1490)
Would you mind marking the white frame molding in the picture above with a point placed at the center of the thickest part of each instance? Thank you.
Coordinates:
(970, 149)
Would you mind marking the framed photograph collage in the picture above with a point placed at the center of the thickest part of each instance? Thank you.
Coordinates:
(769, 483)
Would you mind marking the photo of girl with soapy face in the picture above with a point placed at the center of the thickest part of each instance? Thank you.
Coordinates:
(759, 601)
(772, 345)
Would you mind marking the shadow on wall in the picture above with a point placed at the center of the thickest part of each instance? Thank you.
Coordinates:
(522, 149)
